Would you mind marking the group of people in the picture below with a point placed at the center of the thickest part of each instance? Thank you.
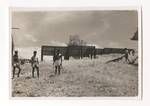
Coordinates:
(57, 63)
(130, 56)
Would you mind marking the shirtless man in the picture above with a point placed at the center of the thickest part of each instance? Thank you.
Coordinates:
(35, 64)
(16, 64)
(57, 62)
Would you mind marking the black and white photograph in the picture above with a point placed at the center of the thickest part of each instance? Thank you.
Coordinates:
(75, 53)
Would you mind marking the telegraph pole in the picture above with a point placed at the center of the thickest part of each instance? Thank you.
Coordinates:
(13, 28)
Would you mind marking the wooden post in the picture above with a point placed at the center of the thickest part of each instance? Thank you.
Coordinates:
(94, 52)
(81, 52)
(91, 52)
(42, 53)
(68, 52)
(54, 52)
(66, 57)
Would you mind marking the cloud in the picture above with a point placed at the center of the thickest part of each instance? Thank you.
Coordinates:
(114, 45)
(30, 37)
(57, 43)
(97, 46)
(54, 27)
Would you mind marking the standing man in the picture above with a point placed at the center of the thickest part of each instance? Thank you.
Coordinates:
(16, 64)
(57, 62)
(35, 64)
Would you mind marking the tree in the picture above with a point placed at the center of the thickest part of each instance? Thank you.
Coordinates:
(75, 40)
(135, 37)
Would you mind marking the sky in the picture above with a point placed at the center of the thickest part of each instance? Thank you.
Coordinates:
(100, 28)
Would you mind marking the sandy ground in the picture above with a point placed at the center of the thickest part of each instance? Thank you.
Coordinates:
(79, 78)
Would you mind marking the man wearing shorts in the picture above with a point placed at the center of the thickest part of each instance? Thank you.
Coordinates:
(35, 64)
(57, 62)
(16, 64)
